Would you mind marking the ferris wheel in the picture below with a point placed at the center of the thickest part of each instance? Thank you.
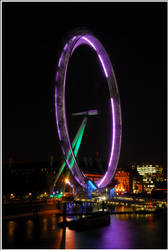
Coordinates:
(76, 39)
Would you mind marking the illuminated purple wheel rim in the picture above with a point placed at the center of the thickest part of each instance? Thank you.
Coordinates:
(75, 40)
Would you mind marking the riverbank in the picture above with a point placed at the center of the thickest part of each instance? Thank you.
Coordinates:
(58, 212)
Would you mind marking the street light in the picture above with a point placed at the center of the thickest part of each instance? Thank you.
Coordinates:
(66, 180)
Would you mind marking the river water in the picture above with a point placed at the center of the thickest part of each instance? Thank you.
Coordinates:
(125, 231)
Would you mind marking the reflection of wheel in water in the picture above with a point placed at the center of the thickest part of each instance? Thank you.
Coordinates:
(79, 38)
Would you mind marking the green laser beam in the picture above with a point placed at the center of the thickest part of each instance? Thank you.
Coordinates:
(75, 144)
(78, 144)
(77, 147)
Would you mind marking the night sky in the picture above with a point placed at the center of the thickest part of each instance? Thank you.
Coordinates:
(134, 35)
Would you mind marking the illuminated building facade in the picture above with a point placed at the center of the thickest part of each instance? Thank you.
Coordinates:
(137, 185)
(123, 179)
(151, 174)
(94, 177)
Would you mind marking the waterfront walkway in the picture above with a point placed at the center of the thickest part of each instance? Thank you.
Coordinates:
(58, 212)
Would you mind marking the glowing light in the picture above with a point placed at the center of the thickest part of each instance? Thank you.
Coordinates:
(86, 39)
(78, 144)
(75, 144)
(66, 180)
(30, 193)
(58, 196)
(101, 60)
(57, 76)
(56, 112)
(73, 38)
(93, 187)
(102, 180)
(104, 68)
(113, 137)
(113, 140)
(93, 42)
(60, 60)
(111, 155)
(66, 45)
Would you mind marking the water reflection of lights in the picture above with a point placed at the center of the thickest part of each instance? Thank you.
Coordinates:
(129, 231)
(53, 221)
(70, 239)
(123, 217)
(151, 224)
(45, 224)
(29, 227)
(11, 228)
(59, 238)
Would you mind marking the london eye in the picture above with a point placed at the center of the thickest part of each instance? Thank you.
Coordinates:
(69, 150)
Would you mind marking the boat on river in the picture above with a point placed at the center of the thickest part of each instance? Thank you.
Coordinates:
(88, 221)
